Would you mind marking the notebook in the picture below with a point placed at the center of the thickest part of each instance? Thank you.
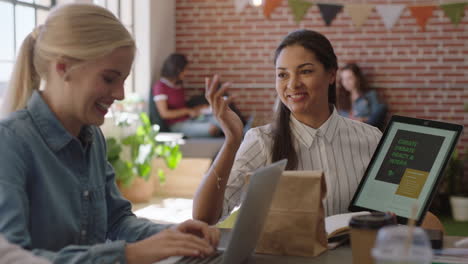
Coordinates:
(406, 168)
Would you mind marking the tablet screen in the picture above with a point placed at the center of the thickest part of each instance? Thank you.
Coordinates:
(405, 168)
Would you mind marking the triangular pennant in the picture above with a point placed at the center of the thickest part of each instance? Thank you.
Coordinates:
(270, 6)
(329, 12)
(240, 5)
(358, 12)
(299, 8)
(390, 14)
(422, 14)
(454, 11)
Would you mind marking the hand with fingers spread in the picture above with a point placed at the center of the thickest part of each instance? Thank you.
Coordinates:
(190, 238)
(230, 122)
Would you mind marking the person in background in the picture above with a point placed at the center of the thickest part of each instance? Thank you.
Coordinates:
(307, 131)
(356, 100)
(58, 196)
(169, 96)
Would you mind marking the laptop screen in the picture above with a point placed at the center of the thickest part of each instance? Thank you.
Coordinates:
(406, 167)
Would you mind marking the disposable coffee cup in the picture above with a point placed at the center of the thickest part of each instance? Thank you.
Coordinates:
(396, 244)
(364, 230)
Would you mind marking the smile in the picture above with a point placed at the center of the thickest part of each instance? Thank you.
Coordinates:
(297, 96)
(103, 106)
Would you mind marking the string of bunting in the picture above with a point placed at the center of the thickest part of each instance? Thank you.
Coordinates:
(359, 13)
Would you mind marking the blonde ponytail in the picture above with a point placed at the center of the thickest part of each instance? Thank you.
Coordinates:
(24, 79)
(81, 32)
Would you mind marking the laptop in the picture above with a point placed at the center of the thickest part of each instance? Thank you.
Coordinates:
(406, 168)
(241, 241)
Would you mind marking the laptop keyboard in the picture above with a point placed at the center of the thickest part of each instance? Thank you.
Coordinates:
(213, 259)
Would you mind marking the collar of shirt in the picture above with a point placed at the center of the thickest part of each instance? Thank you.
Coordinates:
(169, 83)
(306, 134)
(53, 132)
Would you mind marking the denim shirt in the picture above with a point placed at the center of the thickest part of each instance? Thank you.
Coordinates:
(58, 197)
(364, 106)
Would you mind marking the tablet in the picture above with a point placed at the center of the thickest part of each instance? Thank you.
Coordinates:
(406, 168)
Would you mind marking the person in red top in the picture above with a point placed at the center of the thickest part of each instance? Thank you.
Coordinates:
(169, 96)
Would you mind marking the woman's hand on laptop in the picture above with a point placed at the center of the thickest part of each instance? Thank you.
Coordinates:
(209, 233)
(190, 238)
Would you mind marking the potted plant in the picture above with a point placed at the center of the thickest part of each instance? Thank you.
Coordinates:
(456, 186)
(132, 156)
(457, 189)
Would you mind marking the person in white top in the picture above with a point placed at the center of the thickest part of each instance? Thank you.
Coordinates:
(13, 254)
(307, 131)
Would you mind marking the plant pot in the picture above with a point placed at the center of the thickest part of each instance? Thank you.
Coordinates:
(140, 191)
(459, 208)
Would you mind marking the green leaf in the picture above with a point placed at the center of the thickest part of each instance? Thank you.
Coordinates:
(162, 176)
(123, 172)
(113, 149)
(145, 119)
(173, 159)
(144, 171)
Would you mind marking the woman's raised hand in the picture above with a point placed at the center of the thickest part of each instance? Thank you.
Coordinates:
(190, 238)
(230, 122)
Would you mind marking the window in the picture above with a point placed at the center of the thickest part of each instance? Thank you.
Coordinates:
(124, 10)
(17, 20)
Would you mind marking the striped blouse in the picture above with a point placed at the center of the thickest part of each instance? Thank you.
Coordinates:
(341, 147)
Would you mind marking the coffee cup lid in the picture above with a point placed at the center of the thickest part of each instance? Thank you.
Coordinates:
(371, 221)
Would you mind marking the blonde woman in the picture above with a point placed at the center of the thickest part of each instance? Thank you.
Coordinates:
(58, 197)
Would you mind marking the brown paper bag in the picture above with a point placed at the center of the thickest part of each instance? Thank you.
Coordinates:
(295, 225)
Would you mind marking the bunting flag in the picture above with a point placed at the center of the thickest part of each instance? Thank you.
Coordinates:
(270, 6)
(358, 12)
(454, 11)
(390, 14)
(422, 14)
(299, 8)
(329, 12)
(240, 5)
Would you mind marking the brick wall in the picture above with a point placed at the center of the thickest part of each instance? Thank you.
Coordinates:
(419, 74)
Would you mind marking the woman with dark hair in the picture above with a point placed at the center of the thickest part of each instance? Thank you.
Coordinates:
(169, 97)
(307, 131)
(355, 99)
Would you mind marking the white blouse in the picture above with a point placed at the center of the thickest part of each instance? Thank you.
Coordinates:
(341, 147)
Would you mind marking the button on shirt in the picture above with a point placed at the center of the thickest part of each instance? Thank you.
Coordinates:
(58, 196)
(341, 147)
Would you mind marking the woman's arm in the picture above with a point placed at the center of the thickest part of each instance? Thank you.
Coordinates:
(148, 242)
(13, 254)
(208, 200)
(167, 113)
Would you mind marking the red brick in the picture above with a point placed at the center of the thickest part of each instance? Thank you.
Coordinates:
(416, 72)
